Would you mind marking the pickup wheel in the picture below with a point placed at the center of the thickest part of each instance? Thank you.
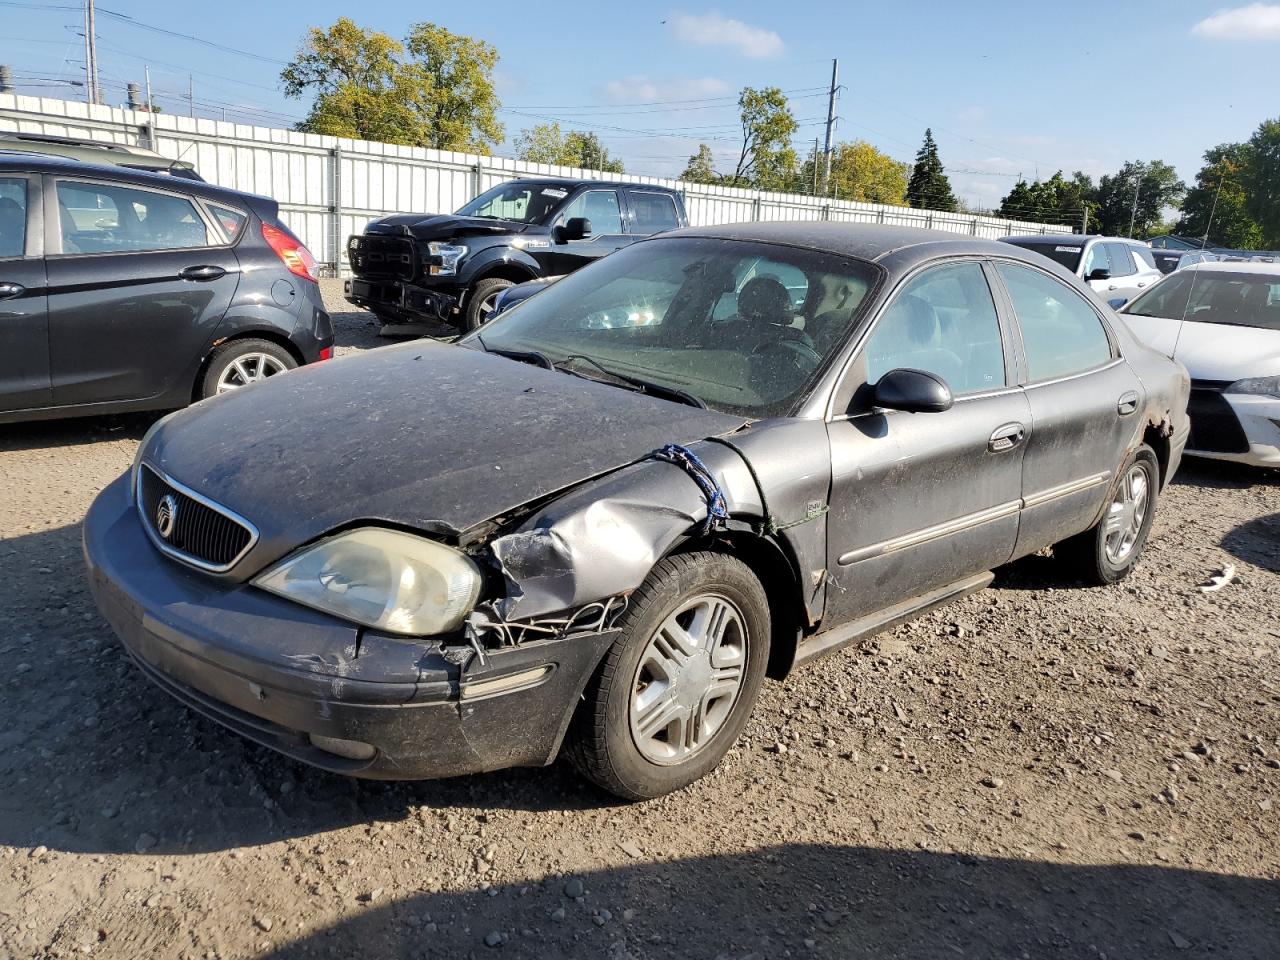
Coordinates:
(675, 689)
(483, 297)
(1108, 551)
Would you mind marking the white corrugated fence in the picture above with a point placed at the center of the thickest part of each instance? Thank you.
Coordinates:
(329, 188)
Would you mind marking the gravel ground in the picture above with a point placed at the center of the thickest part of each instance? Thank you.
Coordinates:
(1040, 770)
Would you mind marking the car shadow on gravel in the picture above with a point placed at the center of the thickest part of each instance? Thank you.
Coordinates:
(75, 432)
(1223, 474)
(97, 759)
(827, 901)
(1256, 542)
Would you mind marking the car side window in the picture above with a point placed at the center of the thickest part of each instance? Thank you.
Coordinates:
(944, 322)
(230, 219)
(1061, 332)
(13, 216)
(654, 212)
(1098, 257)
(598, 206)
(1122, 260)
(110, 218)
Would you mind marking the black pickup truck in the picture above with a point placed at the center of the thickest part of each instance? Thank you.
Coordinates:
(452, 267)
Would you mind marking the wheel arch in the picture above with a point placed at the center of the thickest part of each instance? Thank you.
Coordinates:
(250, 333)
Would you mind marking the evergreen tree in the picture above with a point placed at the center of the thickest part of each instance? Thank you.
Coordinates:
(929, 187)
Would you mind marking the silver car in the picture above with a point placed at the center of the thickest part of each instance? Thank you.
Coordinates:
(1115, 268)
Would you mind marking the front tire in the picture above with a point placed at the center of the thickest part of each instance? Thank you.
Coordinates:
(240, 363)
(677, 686)
(1107, 552)
(484, 295)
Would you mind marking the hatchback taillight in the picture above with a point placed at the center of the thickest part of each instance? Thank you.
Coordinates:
(291, 252)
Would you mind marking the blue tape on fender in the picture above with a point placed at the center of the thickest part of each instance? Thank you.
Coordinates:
(683, 457)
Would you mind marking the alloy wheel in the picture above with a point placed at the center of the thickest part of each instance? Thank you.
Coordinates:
(1126, 514)
(688, 679)
(248, 369)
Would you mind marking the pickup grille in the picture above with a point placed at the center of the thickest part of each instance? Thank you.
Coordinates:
(1214, 426)
(189, 527)
(377, 256)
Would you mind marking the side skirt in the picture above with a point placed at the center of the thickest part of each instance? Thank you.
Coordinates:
(837, 638)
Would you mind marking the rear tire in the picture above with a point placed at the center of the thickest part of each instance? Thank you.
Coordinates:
(240, 363)
(677, 686)
(481, 300)
(1107, 552)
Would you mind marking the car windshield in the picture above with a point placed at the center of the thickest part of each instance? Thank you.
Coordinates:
(1067, 254)
(521, 200)
(1239, 299)
(740, 326)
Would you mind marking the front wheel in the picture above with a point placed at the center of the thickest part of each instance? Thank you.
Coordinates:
(1108, 551)
(481, 301)
(677, 686)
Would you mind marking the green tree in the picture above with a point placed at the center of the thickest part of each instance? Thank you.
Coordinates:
(1056, 200)
(1215, 206)
(766, 160)
(1155, 186)
(860, 172)
(929, 187)
(701, 167)
(1262, 182)
(434, 90)
(545, 143)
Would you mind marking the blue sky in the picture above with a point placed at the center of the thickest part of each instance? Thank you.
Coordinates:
(1008, 87)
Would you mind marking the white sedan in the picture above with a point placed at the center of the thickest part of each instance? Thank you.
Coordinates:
(1222, 321)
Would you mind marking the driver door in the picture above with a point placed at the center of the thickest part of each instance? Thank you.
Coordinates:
(603, 208)
(921, 500)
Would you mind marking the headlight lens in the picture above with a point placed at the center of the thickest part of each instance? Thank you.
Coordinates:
(381, 578)
(1257, 385)
(449, 254)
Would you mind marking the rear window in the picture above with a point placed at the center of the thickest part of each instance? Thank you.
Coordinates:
(654, 212)
(1065, 253)
(1236, 299)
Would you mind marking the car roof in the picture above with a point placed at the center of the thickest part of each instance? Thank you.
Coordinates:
(587, 181)
(1254, 267)
(24, 162)
(1080, 238)
(865, 241)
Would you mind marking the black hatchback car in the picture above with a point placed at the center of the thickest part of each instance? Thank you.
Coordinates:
(707, 458)
(127, 290)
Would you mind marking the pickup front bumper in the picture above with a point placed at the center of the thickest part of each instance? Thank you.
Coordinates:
(402, 302)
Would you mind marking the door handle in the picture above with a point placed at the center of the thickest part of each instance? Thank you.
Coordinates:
(1127, 403)
(10, 290)
(1006, 437)
(1142, 284)
(1112, 287)
(202, 273)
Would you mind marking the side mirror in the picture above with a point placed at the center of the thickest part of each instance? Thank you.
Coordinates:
(577, 228)
(913, 391)
(1099, 273)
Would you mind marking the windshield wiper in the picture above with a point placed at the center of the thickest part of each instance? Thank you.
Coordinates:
(644, 386)
(536, 357)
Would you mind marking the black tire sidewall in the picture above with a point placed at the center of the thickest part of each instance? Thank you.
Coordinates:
(228, 353)
(1108, 571)
(471, 318)
(692, 574)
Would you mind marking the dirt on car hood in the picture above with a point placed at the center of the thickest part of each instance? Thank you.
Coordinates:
(423, 435)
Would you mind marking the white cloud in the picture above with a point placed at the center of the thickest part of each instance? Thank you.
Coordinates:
(638, 88)
(1257, 21)
(714, 30)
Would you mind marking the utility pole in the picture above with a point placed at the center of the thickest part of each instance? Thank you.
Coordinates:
(91, 54)
(151, 106)
(1133, 211)
(831, 123)
(6, 79)
(1212, 210)
(815, 166)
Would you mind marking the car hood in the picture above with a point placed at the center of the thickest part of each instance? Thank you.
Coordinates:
(443, 226)
(424, 435)
(1211, 351)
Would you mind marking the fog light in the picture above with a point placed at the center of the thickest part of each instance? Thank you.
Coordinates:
(348, 749)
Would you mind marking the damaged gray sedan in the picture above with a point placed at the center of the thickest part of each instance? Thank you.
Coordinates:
(596, 525)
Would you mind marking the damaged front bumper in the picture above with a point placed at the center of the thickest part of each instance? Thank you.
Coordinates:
(399, 300)
(322, 690)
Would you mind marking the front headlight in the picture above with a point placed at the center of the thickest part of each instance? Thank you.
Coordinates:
(449, 255)
(380, 578)
(1266, 386)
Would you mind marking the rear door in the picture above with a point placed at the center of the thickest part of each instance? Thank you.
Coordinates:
(139, 279)
(603, 207)
(24, 322)
(1083, 400)
(651, 211)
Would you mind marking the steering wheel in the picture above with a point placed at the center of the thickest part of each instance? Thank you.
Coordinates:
(791, 346)
(780, 364)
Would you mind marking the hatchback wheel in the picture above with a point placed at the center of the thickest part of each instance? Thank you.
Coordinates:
(1108, 552)
(676, 688)
(240, 363)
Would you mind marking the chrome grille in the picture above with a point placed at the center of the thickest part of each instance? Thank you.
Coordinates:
(196, 530)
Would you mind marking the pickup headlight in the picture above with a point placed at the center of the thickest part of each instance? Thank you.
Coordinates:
(449, 254)
(1266, 386)
(380, 578)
